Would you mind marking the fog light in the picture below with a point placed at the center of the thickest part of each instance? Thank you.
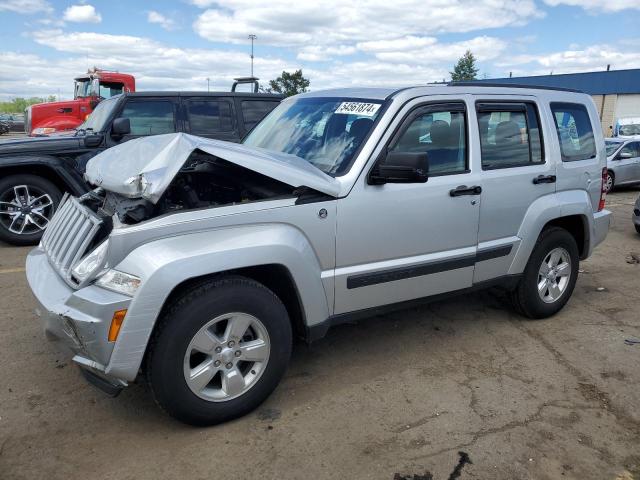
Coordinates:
(116, 323)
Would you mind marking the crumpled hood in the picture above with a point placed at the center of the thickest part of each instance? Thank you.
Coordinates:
(146, 166)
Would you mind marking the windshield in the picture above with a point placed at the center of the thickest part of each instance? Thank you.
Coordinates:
(612, 147)
(326, 132)
(628, 130)
(96, 121)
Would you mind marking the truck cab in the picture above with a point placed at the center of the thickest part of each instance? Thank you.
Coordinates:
(51, 117)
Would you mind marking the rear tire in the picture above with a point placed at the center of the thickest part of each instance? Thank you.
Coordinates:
(194, 339)
(549, 277)
(27, 203)
(637, 228)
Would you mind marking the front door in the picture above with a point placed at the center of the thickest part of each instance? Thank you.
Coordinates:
(627, 163)
(401, 241)
(515, 173)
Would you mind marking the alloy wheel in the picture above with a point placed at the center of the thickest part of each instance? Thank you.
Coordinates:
(25, 209)
(226, 357)
(554, 275)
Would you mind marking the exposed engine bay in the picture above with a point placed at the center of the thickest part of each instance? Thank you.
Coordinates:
(204, 181)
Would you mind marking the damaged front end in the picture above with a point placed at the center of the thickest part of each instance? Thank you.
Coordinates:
(149, 177)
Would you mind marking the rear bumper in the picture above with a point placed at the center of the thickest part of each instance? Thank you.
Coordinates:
(601, 223)
(76, 320)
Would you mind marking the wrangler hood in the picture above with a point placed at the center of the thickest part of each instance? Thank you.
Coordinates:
(145, 167)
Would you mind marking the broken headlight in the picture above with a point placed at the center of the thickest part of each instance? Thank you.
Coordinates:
(91, 262)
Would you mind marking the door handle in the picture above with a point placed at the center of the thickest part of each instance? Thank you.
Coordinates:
(544, 179)
(464, 190)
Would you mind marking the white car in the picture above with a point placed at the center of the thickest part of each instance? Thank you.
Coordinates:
(623, 161)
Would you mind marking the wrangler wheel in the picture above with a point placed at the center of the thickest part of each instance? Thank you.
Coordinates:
(27, 203)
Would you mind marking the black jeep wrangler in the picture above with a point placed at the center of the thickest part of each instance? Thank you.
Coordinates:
(34, 172)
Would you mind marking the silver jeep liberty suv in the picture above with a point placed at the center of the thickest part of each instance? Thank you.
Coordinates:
(194, 262)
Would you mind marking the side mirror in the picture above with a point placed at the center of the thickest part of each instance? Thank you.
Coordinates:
(624, 155)
(401, 167)
(120, 127)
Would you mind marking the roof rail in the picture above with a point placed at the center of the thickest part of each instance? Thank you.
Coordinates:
(509, 85)
(243, 80)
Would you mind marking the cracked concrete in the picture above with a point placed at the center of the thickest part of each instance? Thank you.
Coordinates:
(397, 393)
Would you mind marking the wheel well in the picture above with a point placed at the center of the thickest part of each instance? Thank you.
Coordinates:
(577, 227)
(275, 277)
(40, 171)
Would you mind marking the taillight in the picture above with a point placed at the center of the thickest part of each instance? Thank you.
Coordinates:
(603, 190)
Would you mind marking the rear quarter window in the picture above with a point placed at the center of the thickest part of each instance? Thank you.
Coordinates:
(255, 110)
(575, 132)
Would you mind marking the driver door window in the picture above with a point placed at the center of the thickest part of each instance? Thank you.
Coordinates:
(150, 117)
(441, 134)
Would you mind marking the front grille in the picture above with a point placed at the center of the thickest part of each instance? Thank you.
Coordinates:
(68, 235)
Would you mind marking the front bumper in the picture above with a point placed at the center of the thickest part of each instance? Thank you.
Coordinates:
(78, 320)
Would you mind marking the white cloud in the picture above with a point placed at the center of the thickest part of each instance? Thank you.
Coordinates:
(428, 51)
(598, 5)
(25, 6)
(82, 13)
(334, 22)
(155, 65)
(315, 53)
(164, 22)
(595, 57)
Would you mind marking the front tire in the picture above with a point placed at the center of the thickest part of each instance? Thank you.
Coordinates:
(219, 351)
(549, 277)
(27, 203)
(610, 181)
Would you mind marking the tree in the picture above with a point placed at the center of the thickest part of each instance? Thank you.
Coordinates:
(465, 69)
(289, 84)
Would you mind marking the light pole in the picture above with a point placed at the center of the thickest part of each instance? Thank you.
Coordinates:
(207, 84)
(252, 37)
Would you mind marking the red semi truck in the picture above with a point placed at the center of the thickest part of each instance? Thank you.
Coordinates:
(96, 85)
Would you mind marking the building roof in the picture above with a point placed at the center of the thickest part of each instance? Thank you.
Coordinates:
(593, 83)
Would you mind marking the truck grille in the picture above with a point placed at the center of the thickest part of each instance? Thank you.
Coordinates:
(68, 235)
(27, 120)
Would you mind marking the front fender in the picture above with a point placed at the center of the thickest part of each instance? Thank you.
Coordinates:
(546, 209)
(165, 263)
(35, 164)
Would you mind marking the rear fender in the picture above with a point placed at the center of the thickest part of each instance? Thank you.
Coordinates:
(544, 210)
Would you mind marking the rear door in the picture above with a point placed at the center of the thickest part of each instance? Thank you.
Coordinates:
(211, 117)
(515, 173)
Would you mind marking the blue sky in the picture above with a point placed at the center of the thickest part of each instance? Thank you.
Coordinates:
(178, 44)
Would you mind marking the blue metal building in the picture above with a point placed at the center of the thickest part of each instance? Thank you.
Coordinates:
(615, 92)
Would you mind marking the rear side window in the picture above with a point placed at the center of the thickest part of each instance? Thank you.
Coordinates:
(510, 135)
(255, 110)
(575, 132)
(209, 116)
(150, 118)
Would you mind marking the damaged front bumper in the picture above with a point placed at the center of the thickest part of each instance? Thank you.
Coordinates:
(78, 320)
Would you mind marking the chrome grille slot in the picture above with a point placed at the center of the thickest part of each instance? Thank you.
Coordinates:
(68, 236)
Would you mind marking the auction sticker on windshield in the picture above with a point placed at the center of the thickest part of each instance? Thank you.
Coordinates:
(358, 108)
